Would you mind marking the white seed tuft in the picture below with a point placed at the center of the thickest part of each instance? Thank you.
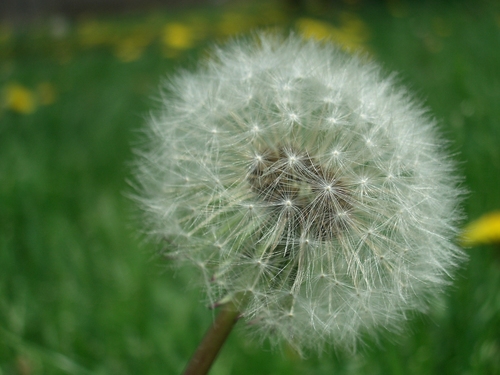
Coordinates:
(303, 181)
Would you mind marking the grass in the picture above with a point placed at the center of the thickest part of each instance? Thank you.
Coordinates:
(80, 293)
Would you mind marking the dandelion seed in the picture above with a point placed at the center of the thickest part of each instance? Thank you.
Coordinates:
(333, 217)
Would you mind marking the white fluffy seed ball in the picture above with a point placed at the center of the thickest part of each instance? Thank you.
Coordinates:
(305, 186)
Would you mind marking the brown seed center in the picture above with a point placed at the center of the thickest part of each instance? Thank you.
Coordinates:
(314, 198)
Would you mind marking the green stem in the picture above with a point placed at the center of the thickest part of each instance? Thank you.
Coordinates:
(212, 342)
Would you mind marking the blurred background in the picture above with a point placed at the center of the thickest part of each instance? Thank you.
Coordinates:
(81, 293)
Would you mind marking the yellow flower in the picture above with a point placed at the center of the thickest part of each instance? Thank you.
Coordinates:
(19, 99)
(311, 28)
(351, 35)
(178, 36)
(484, 230)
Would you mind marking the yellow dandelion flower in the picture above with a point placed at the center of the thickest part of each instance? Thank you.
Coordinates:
(484, 230)
(315, 29)
(19, 99)
(178, 36)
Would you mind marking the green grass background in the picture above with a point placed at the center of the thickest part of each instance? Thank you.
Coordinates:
(81, 294)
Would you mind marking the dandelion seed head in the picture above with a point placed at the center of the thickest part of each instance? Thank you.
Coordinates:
(306, 184)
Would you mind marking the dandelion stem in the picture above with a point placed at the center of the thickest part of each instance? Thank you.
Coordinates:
(209, 347)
